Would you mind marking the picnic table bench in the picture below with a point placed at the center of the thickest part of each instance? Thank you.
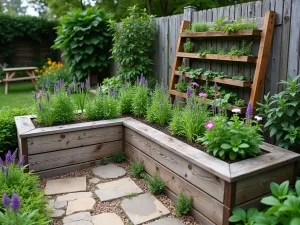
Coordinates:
(11, 72)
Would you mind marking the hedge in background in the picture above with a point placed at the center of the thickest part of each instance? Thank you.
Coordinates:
(85, 39)
(34, 28)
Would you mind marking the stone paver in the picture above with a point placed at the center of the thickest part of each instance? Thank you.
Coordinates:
(143, 208)
(81, 205)
(94, 180)
(83, 216)
(109, 171)
(117, 189)
(60, 204)
(66, 185)
(167, 221)
(107, 219)
(74, 196)
(57, 213)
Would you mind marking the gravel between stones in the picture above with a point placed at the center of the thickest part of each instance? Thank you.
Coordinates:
(114, 206)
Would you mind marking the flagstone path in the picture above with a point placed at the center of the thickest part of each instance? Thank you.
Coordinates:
(70, 200)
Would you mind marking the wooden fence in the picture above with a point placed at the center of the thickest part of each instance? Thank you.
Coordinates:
(284, 58)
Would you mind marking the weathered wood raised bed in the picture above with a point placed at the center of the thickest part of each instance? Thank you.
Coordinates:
(216, 186)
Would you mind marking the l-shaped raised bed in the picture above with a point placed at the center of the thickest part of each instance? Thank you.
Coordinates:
(216, 186)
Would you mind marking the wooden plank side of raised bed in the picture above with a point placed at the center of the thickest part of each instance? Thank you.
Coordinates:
(66, 140)
(260, 184)
(73, 156)
(202, 179)
(202, 202)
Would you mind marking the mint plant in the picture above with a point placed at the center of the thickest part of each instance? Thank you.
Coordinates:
(282, 114)
(189, 47)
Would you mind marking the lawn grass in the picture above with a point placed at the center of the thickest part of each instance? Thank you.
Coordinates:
(19, 95)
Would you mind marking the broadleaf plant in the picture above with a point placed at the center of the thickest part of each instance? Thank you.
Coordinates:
(85, 39)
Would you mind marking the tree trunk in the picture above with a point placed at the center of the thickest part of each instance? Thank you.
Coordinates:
(149, 5)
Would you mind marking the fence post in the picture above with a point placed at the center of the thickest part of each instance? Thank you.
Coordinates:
(188, 15)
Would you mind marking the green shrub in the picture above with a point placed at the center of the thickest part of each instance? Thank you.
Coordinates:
(111, 84)
(137, 169)
(105, 160)
(282, 114)
(84, 37)
(140, 100)
(239, 24)
(133, 44)
(199, 27)
(103, 106)
(245, 49)
(125, 98)
(119, 157)
(181, 86)
(189, 47)
(183, 204)
(8, 131)
(155, 184)
(160, 109)
(26, 185)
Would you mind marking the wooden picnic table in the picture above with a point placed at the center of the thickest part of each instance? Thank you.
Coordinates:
(11, 72)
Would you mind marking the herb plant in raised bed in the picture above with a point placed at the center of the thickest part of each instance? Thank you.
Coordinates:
(189, 47)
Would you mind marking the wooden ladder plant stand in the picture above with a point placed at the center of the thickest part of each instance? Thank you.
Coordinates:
(266, 35)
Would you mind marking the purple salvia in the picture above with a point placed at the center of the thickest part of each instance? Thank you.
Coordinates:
(22, 161)
(5, 200)
(215, 87)
(189, 92)
(249, 111)
(8, 158)
(14, 155)
(15, 202)
(1, 161)
(40, 106)
(87, 84)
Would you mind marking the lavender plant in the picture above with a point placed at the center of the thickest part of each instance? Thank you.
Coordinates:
(80, 90)
(125, 98)
(160, 109)
(140, 99)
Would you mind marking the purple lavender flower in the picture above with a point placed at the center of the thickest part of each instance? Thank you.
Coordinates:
(14, 155)
(8, 158)
(5, 200)
(189, 92)
(82, 85)
(40, 106)
(215, 87)
(22, 161)
(213, 107)
(87, 84)
(15, 202)
(47, 82)
(249, 111)
(1, 161)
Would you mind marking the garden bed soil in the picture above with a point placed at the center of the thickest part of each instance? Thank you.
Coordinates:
(216, 186)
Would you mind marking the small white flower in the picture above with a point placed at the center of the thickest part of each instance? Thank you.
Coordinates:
(236, 110)
(258, 118)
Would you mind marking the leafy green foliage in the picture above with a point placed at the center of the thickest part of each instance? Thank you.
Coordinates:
(103, 106)
(199, 27)
(239, 24)
(119, 157)
(181, 86)
(8, 131)
(111, 83)
(189, 122)
(189, 47)
(160, 109)
(140, 100)
(218, 24)
(183, 69)
(240, 103)
(80, 90)
(230, 139)
(9, 217)
(133, 44)
(85, 39)
(245, 50)
(284, 208)
(26, 185)
(203, 52)
(183, 204)
(155, 184)
(137, 169)
(34, 28)
(282, 112)
(125, 98)
(105, 160)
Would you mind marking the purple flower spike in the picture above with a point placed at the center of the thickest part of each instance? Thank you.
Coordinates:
(87, 84)
(82, 85)
(15, 202)
(5, 200)
(215, 87)
(249, 111)
(1, 161)
(189, 92)
(14, 155)
(8, 158)
(22, 161)
(213, 107)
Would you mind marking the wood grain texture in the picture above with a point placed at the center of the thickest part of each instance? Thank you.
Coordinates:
(259, 185)
(202, 202)
(67, 157)
(24, 124)
(66, 140)
(184, 168)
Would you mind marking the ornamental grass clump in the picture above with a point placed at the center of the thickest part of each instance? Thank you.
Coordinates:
(232, 138)
(160, 109)
(103, 106)
(140, 99)
(189, 122)
(56, 108)
(125, 98)
(80, 91)
(29, 206)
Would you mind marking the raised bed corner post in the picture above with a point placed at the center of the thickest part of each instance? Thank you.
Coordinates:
(187, 19)
(263, 57)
